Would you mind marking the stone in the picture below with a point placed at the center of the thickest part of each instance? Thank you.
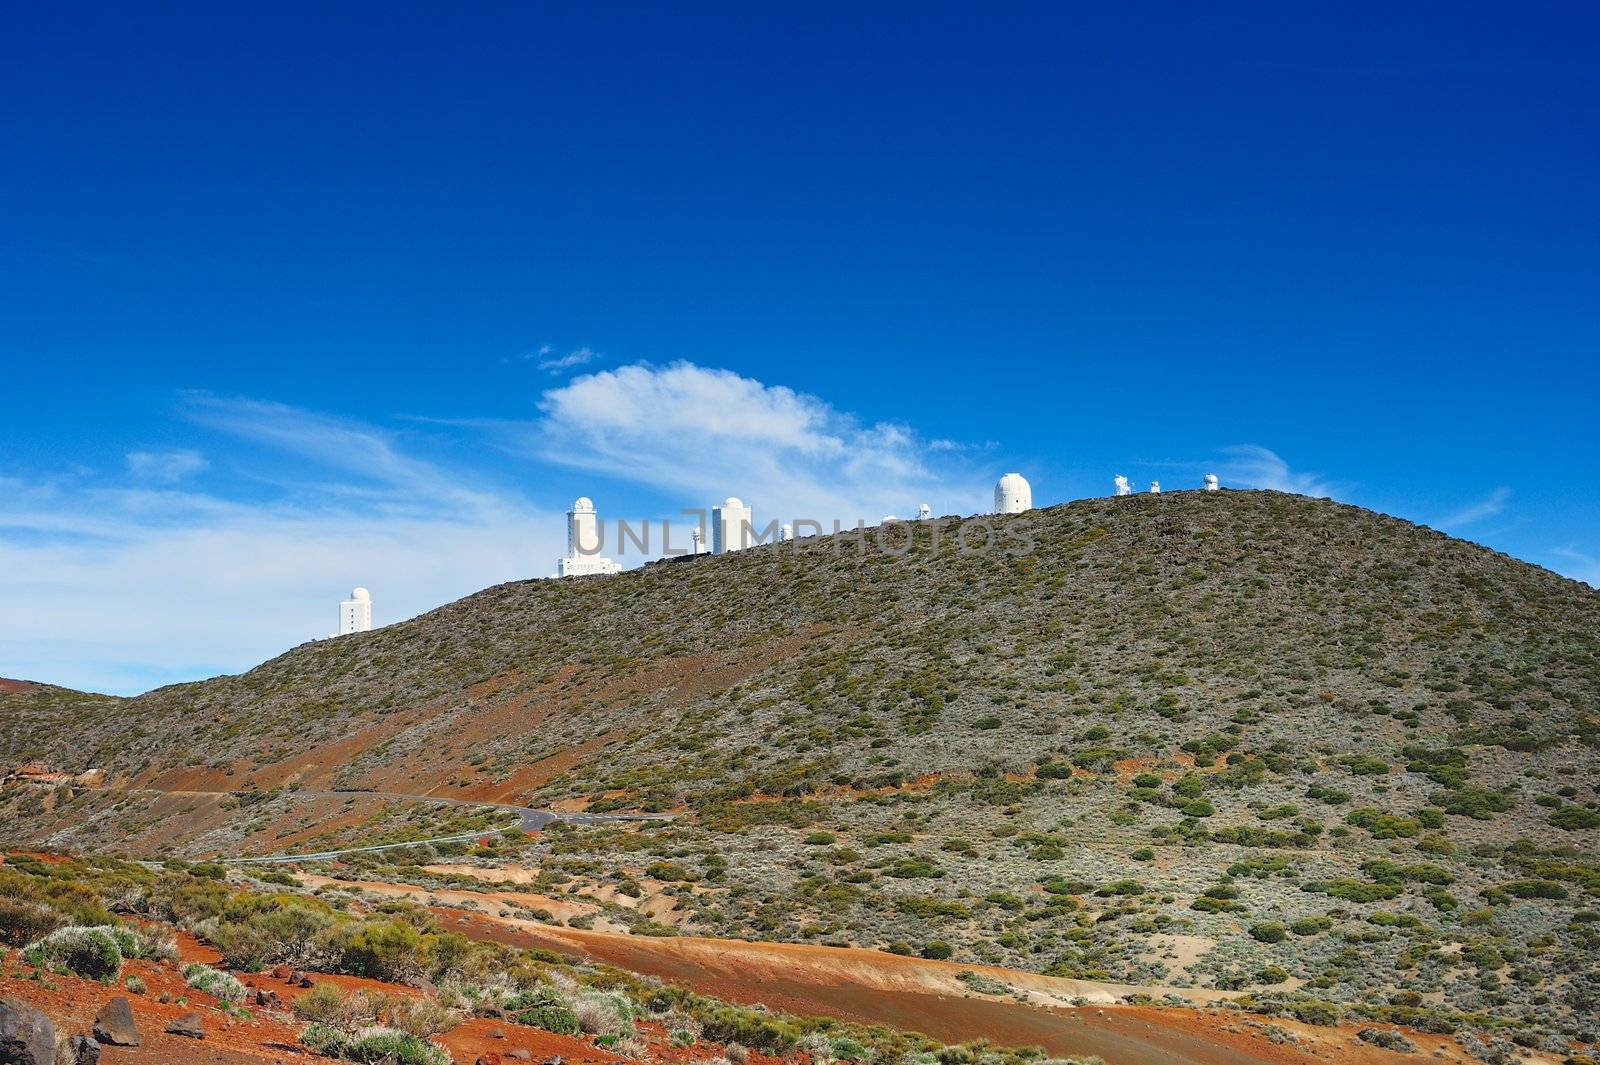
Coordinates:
(84, 1050)
(306, 981)
(189, 1026)
(295, 976)
(489, 1057)
(26, 1035)
(519, 1054)
(552, 1061)
(113, 1025)
(497, 1033)
(281, 972)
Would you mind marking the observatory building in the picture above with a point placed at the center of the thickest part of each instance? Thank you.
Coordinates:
(355, 613)
(1212, 484)
(583, 556)
(730, 527)
(1012, 494)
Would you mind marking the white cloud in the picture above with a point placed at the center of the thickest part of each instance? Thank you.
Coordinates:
(165, 467)
(580, 357)
(123, 588)
(1487, 507)
(708, 433)
(1253, 466)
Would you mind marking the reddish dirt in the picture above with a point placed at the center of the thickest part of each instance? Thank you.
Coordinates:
(912, 994)
(71, 1002)
(271, 1034)
(18, 687)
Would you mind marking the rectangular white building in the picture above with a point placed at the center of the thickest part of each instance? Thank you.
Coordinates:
(355, 613)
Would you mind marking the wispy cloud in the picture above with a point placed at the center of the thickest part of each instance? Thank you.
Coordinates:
(1253, 466)
(557, 363)
(709, 433)
(1487, 507)
(165, 467)
(1580, 566)
(120, 587)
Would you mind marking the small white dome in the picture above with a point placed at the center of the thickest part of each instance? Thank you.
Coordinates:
(732, 503)
(1013, 494)
(583, 503)
(360, 593)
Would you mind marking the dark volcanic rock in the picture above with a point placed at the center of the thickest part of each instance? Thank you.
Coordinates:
(113, 1025)
(84, 1050)
(188, 1025)
(26, 1036)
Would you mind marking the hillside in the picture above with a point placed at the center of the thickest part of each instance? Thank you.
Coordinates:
(1240, 740)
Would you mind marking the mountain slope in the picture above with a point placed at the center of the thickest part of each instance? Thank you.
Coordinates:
(1238, 739)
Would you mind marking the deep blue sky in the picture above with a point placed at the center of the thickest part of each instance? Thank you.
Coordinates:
(1366, 241)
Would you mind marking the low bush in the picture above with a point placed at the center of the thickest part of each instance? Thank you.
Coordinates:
(371, 1046)
(214, 982)
(93, 952)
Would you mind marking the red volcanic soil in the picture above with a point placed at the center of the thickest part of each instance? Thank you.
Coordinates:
(71, 1002)
(913, 994)
(270, 1035)
(17, 686)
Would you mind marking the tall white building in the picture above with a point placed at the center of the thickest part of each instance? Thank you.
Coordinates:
(730, 527)
(583, 556)
(355, 613)
(1122, 485)
(1212, 484)
(924, 512)
(1012, 494)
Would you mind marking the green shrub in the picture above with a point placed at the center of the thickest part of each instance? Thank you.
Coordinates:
(391, 1047)
(383, 950)
(220, 985)
(1382, 825)
(23, 921)
(93, 952)
(938, 950)
(1479, 804)
(1268, 932)
(1574, 818)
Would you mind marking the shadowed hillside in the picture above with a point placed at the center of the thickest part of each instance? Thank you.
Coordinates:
(1241, 740)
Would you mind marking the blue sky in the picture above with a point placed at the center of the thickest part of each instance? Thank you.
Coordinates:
(293, 303)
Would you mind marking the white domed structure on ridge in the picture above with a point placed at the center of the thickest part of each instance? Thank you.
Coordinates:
(731, 529)
(355, 613)
(1013, 494)
(585, 542)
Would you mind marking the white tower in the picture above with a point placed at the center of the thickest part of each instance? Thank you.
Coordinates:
(355, 613)
(699, 540)
(786, 532)
(730, 526)
(1012, 494)
(1123, 487)
(583, 543)
(1212, 484)
(1155, 488)
(924, 512)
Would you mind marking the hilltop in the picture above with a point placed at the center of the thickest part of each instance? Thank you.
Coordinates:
(1239, 740)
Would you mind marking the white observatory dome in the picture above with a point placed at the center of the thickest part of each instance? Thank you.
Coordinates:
(732, 503)
(1012, 494)
(583, 503)
(360, 593)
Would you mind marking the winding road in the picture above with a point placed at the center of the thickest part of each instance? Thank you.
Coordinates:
(530, 819)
